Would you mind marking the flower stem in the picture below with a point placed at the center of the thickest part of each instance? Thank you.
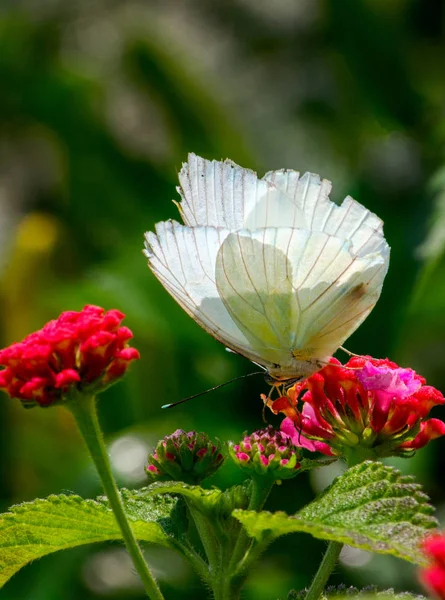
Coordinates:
(260, 491)
(225, 591)
(355, 456)
(206, 534)
(324, 571)
(334, 548)
(83, 408)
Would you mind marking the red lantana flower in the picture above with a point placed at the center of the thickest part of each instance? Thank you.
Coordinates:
(79, 349)
(369, 406)
(433, 576)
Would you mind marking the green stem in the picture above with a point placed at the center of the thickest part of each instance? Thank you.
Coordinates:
(83, 408)
(260, 491)
(225, 591)
(224, 585)
(255, 551)
(196, 561)
(355, 456)
(334, 548)
(206, 534)
(324, 571)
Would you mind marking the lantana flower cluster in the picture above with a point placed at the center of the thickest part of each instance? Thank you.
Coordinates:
(370, 406)
(184, 456)
(85, 349)
(267, 453)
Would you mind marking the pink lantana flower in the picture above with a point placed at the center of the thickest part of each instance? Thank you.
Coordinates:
(389, 386)
(85, 349)
(433, 576)
(369, 407)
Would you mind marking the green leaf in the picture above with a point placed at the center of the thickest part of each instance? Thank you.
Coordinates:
(371, 506)
(215, 506)
(363, 595)
(368, 593)
(193, 493)
(213, 501)
(35, 529)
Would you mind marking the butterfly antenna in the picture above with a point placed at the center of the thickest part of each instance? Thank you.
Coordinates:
(211, 389)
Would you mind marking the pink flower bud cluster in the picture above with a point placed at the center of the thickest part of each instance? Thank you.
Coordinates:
(267, 453)
(184, 456)
(433, 576)
(367, 404)
(79, 349)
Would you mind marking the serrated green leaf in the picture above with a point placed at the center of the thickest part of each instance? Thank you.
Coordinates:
(371, 506)
(352, 593)
(194, 493)
(207, 501)
(386, 595)
(35, 529)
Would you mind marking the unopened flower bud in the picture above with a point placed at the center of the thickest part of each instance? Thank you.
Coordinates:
(181, 456)
(267, 453)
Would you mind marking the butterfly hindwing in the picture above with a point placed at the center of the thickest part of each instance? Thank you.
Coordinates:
(282, 286)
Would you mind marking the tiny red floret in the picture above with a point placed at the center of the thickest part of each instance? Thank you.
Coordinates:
(81, 349)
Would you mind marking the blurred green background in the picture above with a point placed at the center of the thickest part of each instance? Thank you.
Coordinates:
(100, 101)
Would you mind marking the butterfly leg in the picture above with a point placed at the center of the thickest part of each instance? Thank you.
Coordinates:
(348, 351)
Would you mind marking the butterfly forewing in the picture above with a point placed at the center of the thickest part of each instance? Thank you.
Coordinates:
(183, 259)
(222, 194)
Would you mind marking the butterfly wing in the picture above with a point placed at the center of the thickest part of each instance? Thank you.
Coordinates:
(254, 280)
(332, 312)
(350, 220)
(270, 267)
(295, 293)
(222, 194)
(183, 259)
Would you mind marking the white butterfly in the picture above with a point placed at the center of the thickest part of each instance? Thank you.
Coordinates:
(270, 267)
